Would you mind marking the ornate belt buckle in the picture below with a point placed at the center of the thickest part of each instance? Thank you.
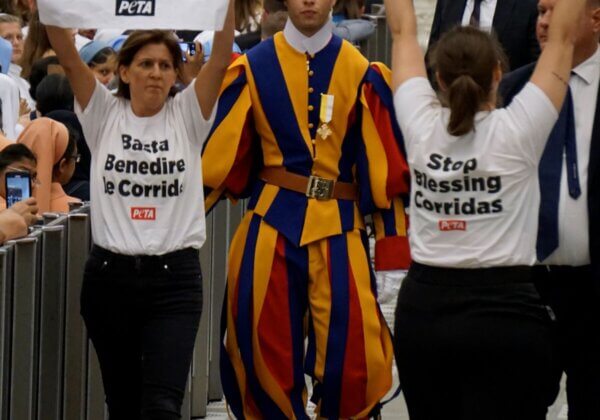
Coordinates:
(319, 188)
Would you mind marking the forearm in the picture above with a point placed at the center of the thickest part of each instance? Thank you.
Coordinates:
(401, 18)
(554, 65)
(210, 78)
(565, 19)
(80, 76)
(407, 56)
(220, 55)
(62, 44)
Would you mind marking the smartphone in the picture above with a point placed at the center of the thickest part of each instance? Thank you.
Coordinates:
(18, 187)
(187, 47)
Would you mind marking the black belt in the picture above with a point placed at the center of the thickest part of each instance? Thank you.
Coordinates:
(470, 276)
(138, 261)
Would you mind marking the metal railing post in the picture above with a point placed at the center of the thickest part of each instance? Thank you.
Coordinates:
(24, 346)
(6, 285)
(76, 355)
(52, 307)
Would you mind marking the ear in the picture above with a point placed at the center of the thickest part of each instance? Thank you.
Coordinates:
(124, 74)
(498, 73)
(440, 82)
(596, 20)
(62, 165)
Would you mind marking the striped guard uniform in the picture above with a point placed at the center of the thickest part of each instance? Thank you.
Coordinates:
(299, 268)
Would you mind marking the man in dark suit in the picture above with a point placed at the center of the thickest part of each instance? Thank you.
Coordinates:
(513, 21)
(568, 247)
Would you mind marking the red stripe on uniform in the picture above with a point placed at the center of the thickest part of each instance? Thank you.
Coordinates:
(397, 166)
(354, 380)
(274, 332)
(237, 179)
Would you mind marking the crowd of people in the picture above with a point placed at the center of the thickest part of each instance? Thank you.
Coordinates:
(490, 142)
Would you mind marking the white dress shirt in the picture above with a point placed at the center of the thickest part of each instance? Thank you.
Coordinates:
(486, 14)
(14, 72)
(305, 44)
(573, 218)
(9, 95)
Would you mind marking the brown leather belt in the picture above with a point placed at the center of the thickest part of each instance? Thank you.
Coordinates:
(313, 186)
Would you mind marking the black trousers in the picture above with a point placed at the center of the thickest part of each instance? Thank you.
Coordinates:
(474, 344)
(571, 294)
(142, 315)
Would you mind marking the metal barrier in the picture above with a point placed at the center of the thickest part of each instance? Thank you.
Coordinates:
(48, 367)
(378, 47)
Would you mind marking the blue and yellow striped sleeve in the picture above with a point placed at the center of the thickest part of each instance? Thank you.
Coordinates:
(228, 157)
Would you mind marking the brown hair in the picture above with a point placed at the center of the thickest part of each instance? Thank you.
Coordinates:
(36, 46)
(465, 59)
(246, 12)
(7, 18)
(138, 40)
(16, 8)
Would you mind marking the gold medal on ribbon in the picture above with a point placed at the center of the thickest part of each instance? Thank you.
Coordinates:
(325, 115)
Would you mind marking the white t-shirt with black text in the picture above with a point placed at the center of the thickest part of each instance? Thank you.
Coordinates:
(146, 178)
(474, 198)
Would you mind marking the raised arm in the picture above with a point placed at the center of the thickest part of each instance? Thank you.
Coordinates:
(553, 68)
(407, 56)
(210, 77)
(80, 76)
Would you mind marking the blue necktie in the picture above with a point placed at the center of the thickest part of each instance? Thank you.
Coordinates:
(562, 139)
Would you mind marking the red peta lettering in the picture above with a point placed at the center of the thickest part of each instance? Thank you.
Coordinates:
(449, 225)
(143, 213)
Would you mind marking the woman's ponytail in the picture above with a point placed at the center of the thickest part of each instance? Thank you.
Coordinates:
(464, 97)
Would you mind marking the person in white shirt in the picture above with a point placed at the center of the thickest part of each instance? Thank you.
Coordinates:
(471, 331)
(9, 103)
(142, 291)
(10, 29)
(568, 241)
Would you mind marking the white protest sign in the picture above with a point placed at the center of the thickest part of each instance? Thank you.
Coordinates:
(134, 14)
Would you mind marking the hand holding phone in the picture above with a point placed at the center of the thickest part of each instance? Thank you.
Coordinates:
(187, 47)
(18, 187)
(15, 219)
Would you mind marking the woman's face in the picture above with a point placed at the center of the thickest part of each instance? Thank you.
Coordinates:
(11, 31)
(105, 72)
(150, 76)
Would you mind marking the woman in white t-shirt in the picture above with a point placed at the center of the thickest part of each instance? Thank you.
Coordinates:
(142, 290)
(473, 340)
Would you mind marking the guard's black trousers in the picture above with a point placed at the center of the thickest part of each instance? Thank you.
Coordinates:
(474, 344)
(142, 315)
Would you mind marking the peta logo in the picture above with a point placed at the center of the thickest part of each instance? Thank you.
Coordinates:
(143, 213)
(135, 7)
(449, 225)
